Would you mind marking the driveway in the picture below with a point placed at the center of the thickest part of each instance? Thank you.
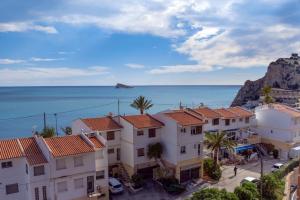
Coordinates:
(229, 181)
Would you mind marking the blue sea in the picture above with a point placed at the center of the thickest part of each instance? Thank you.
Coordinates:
(22, 108)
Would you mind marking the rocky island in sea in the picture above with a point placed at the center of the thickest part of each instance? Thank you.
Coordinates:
(283, 75)
(120, 85)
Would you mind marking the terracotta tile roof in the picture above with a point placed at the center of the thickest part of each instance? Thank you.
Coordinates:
(143, 121)
(101, 124)
(10, 149)
(240, 111)
(226, 113)
(283, 108)
(68, 145)
(184, 118)
(207, 112)
(96, 142)
(32, 151)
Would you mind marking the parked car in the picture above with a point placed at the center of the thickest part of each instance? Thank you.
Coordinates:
(276, 167)
(115, 186)
(249, 179)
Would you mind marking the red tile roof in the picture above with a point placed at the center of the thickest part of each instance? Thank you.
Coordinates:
(240, 111)
(226, 113)
(207, 112)
(143, 121)
(68, 145)
(101, 124)
(96, 142)
(32, 151)
(10, 149)
(184, 118)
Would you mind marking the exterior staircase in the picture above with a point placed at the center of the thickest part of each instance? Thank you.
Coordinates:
(262, 149)
(124, 176)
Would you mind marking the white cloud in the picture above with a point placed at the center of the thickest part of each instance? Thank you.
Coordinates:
(134, 66)
(7, 61)
(35, 75)
(26, 26)
(36, 59)
(180, 69)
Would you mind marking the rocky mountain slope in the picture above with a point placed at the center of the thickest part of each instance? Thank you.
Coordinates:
(284, 73)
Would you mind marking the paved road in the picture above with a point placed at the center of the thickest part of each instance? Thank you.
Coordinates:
(229, 181)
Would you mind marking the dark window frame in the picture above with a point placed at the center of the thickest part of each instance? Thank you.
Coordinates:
(10, 187)
(215, 121)
(38, 173)
(140, 152)
(151, 132)
(6, 164)
(110, 135)
(140, 133)
(36, 193)
(102, 176)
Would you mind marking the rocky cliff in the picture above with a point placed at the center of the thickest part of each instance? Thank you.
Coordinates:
(284, 73)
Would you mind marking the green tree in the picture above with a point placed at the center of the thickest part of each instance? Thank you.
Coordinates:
(215, 141)
(212, 169)
(141, 104)
(67, 130)
(272, 187)
(213, 194)
(48, 132)
(155, 150)
(266, 91)
(247, 191)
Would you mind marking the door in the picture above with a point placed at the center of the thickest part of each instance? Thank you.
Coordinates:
(90, 184)
(199, 149)
(118, 154)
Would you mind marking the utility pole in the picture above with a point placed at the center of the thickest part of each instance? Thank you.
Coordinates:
(55, 115)
(118, 106)
(45, 124)
(261, 175)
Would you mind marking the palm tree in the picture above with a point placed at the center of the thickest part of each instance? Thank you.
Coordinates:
(217, 140)
(141, 104)
(266, 92)
(48, 132)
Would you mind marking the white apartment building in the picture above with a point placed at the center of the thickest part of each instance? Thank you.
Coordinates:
(109, 129)
(182, 139)
(59, 168)
(138, 132)
(279, 125)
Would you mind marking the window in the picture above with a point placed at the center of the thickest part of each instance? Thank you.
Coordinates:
(100, 174)
(215, 121)
(36, 193)
(26, 169)
(12, 188)
(44, 192)
(39, 170)
(60, 164)
(78, 183)
(233, 120)
(196, 130)
(78, 161)
(62, 186)
(6, 164)
(152, 132)
(110, 151)
(139, 133)
(182, 150)
(241, 119)
(110, 135)
(227, 122)
(247, 119)
(140, 152)
(182, 130)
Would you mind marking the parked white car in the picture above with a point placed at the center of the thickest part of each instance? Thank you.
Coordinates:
(249, 179)
(115, 186)
(276, 167)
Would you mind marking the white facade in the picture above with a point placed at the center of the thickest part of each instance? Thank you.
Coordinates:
(279, 125)
(53, 182)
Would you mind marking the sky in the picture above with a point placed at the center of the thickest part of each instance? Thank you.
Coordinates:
(141, 42)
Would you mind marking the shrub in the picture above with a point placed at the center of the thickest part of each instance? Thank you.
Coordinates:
(171, 185)
(248, 191)
(275, 153)
(155, 150)
(137, 181)
(213, 193)
(212, 169)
